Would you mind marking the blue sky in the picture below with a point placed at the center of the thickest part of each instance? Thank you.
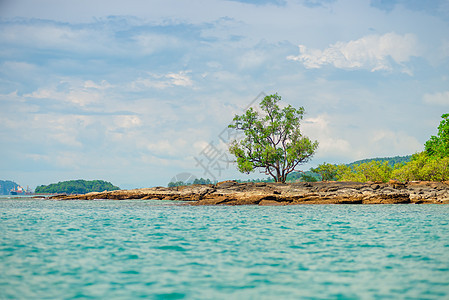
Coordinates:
(135, 92)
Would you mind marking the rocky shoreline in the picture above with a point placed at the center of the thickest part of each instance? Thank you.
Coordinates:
(234, 193)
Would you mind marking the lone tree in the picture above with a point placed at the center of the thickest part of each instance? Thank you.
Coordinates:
(273, 141)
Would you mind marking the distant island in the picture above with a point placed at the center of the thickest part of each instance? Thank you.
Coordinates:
(76, 187)
(6, 186)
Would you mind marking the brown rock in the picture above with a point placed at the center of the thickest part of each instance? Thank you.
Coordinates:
(234, 193)
(272, 203)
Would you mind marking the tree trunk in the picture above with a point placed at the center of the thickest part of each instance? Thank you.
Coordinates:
(278, 177)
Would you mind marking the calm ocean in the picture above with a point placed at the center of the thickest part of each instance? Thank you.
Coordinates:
(161, 250)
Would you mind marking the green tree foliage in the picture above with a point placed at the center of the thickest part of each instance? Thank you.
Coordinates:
(255, 180)
(308, 177)
(421, 167)
(202, 181)
(327, 171)
(196, 181)
(424, 167)
(177, 183)
(439, 145)
(370, 171)
(431, 164)
(273, 141)
(76, 187)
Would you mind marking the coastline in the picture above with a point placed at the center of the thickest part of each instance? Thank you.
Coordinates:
(234, 193)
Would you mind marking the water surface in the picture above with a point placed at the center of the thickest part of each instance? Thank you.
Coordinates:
(164, 250)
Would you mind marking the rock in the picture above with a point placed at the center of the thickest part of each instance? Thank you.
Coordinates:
(272, 203)
(234, 193)
(227, 183)
(374, 186)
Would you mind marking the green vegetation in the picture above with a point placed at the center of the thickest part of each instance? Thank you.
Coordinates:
(421, 167)
(76, 187)
(331, 172)
(273, 141)
(375, 169)
(392, 161)
(308, 176)
(424, 167)
(326, 171)
(369, 171)
(196, 181)
(429, 165)
(255, 180)
(438, 146)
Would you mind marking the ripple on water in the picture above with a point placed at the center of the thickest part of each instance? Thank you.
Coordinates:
(153, 249)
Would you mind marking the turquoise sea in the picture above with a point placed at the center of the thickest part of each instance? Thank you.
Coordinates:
(166, 250)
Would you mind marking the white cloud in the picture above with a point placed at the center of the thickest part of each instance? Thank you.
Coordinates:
(163, 81)
(18, 66)
(444, 48)
(252, 59)
(80, 93)
(179, 79)
(77, 97)
(59, 130)
(127, 122)
(149, 43)
(343, 144)
(89, 84)
(388, 142)
(55, 36)
(437, 98)
(172, 147)
(372, 52)
(330, 144)
(150, 114)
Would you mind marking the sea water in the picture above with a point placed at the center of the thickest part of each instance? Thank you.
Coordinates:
(103, 249)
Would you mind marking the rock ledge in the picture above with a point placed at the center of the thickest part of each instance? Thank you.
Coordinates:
(234, 193)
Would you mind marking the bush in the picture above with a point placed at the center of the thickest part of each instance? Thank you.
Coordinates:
(424, 168)
(327, 171)
(308, 178)
(370, 171)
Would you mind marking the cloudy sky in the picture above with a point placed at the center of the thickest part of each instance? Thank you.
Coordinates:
(136, 92)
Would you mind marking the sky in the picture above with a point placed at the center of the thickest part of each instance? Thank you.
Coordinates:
(140, 92)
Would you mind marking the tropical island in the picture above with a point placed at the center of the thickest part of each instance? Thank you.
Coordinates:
(274, 143)
(76, 187)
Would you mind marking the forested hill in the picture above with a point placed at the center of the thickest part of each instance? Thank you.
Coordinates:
(391, 160)
(76, 187)
(6, 186)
